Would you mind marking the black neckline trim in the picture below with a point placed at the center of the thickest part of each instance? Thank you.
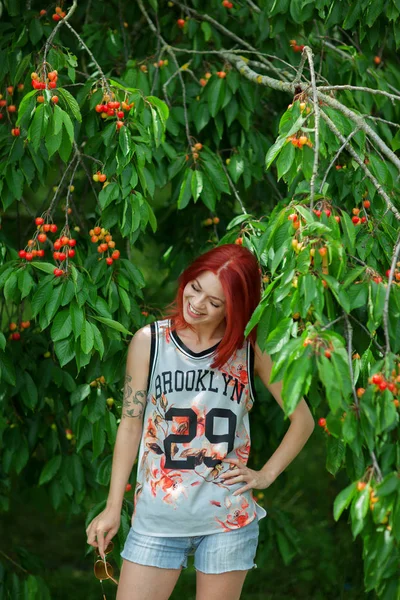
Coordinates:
(181, 344)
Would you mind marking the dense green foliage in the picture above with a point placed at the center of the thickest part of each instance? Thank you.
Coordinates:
(231, 132)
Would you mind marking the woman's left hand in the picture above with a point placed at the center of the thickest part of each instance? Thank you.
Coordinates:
(254, 479)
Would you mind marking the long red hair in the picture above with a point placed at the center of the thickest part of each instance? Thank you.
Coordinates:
(239, 274)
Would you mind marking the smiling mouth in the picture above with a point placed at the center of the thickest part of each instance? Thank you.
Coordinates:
(194, 310)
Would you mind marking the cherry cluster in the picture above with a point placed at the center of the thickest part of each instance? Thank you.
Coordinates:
(195, 151)
(58, 14)
(10, 106)
(113, 108)
(38, 82)
(63, 249)
(33, 249)
(295, 46)
(98, 234)
(300, 141)
(15, 335)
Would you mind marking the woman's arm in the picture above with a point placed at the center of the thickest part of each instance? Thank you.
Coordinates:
(127, 440)
(301, 426)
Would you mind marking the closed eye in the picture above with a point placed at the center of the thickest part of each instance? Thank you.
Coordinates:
(212, 304)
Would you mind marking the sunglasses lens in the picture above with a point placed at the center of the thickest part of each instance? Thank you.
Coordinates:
(103, 570)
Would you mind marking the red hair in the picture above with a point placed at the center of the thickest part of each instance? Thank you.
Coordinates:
(239, 274)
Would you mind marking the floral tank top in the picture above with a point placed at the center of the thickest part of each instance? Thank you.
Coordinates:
(195, 416)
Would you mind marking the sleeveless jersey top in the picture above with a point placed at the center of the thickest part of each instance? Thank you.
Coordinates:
(195, 416)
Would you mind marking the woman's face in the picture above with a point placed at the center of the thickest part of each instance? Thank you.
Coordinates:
(204, 300)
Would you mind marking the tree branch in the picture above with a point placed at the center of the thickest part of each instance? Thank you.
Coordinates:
(395, 258)
(309, 54)
(368, 173)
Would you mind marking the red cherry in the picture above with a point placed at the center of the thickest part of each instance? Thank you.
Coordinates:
(366, 203)
(383, 385)
(356, 220)
(42, 237)
(39, 221)
(377, 378)
(62, 256)
(109, 260)
(40, 253)
(16, 336)
(128, 487)
(52, 85)
(322, 422)
(57, 245)
(120, 114)
(327, 212)
(116, 254)
(56, 255)
(71, 253)
(22, 254)
(72, 242)
(53, 228)
(181, 23)
(29, 256)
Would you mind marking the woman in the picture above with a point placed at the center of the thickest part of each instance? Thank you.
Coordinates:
(188, 391)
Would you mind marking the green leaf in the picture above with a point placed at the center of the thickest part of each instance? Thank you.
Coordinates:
(161, 107)
(35, 34)
(22, 66)
(279, 336)
(274, 151)
(50, 469)
(348, 231)
(28, 102)
(40, 297)
(71, 102)
(58, 119)
(123, 141)
(109, 194)
(197, 184)
(65, 351)
(335, 454)
(87, 337)
(297, 380)
(81, 392)
(113, 324)
(77, 318)
(186, 190)
(285, 159)
(69, 128)
(25, 282)
(61, 327)
(37, 125)
(215, 95)
(343, 499)
(207, 31)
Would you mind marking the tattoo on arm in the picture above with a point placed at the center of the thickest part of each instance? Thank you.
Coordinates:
(133, 404)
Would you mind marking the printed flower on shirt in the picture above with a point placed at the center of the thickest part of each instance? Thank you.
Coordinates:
(169, 481)
(237, 518)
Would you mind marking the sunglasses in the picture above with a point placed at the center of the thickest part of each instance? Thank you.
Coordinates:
(102, 569)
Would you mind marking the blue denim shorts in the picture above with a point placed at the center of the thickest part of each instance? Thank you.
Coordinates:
(214, 553)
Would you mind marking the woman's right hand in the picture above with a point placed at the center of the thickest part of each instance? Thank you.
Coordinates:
(107, 522)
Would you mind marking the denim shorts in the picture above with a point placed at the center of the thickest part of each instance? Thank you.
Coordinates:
(214, 553)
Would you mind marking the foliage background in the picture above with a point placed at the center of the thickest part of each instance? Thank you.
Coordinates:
(251, 178)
